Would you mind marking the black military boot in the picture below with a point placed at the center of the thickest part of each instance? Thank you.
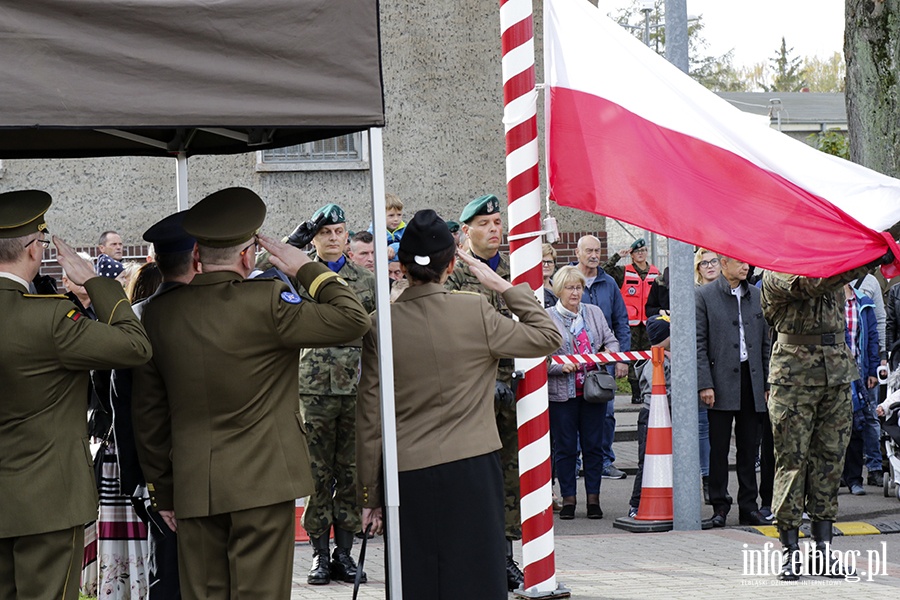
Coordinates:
(822, 561)
(343, 566)
(514, 575)
(791, 561)
(320, 573)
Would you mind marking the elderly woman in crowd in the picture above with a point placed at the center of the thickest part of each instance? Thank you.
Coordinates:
(584, 330)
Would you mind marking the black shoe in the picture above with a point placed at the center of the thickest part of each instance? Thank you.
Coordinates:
(343, 567)
(594, 512)
(754, 518)
(320, 572)
(567, 512)
(514, 575)
(706, 491)
(791, 560)
(718, 519)
(876, 478)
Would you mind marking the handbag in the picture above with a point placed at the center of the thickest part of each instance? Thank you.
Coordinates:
(599, 387)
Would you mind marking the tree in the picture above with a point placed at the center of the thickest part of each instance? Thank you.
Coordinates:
(789, 75)
(825, 75)
(831, 142)
(872, 48)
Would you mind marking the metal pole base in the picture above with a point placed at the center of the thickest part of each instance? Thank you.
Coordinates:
(560, 592)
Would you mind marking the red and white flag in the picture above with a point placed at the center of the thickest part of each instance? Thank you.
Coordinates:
(632, 137)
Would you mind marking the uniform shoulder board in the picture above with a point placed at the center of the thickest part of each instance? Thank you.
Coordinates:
(291, 298)
(465, 292)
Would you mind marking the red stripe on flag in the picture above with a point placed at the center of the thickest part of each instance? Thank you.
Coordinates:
(607, 160)
(659, 440)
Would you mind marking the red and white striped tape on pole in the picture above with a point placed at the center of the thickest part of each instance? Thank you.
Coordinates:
(523, 192)
(600, 357)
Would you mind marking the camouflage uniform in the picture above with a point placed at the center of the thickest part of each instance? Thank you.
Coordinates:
(328, 378)
(463, 279)
(809, 403)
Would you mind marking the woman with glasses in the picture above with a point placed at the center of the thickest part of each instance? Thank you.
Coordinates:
(548, 267)
(706, 270)
(584, 330)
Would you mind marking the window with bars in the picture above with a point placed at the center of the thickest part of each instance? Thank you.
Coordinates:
(346, 152)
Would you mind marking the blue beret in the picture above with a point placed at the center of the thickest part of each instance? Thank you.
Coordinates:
(168, 235)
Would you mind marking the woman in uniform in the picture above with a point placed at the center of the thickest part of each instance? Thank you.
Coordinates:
(446, 349)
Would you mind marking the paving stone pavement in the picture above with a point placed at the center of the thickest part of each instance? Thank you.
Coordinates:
(695, 565)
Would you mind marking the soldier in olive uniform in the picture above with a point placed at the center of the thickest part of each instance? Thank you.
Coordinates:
(328, 378)
(220, 440)
(483, 224)
(810, 371)
(47, 347)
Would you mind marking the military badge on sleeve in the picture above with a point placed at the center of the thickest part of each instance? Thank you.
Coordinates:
(291, 298)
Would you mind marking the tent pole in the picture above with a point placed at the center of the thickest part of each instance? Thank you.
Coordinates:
(385, 368)
(181, 175)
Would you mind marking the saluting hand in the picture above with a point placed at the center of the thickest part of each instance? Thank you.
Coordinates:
(77, 269)
(284, 256)
(485, 274)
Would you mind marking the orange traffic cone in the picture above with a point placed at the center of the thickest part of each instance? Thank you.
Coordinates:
(656, 490)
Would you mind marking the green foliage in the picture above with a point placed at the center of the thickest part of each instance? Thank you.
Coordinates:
(828, 75)
(83, 597)
(831, 142)
(789, 74)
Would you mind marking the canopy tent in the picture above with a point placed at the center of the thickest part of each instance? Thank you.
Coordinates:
(180, 77)
(157, 77)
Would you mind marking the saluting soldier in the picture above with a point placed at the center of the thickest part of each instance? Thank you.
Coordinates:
(47, 347)
(220, 440)
(810, 370)
(451, 484)
(328, 378)
(483, 224)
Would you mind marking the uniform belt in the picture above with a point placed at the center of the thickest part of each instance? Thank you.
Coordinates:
(823, 339)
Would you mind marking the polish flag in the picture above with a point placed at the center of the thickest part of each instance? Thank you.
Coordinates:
(631, 137)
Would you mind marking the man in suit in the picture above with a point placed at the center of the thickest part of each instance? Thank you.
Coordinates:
(732, 368)
(47, 347)
(220, 438)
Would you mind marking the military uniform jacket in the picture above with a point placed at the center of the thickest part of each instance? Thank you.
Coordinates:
(808, 306)
(47, 347)
(216, 415)
(719, 343)
(444, 408)
(335, 371)
(463, 280)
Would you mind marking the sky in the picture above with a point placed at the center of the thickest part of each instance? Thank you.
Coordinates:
(754, 29)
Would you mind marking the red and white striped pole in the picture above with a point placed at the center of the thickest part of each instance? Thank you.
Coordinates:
(523, 193)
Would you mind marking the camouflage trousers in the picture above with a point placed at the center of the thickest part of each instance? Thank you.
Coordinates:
(507, 427)
(331, 436)
(639, 341)
(811, 429)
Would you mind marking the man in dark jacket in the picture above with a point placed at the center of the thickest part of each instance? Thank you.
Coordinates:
(732, 367)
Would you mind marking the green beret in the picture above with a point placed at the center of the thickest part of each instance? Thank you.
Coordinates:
(638, 244)
(330, 214)
(22, 212)
(485, 205)
(225, 218)
(453, 226)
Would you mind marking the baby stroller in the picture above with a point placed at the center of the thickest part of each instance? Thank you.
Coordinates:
(890, 434)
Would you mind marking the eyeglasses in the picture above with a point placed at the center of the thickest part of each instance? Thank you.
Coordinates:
(45, 243)
(253, 244)
(574, 288)
(548, 263)
(711, 262)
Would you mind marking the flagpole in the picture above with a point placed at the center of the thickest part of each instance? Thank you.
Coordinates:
(685, 431)
(523, 193)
